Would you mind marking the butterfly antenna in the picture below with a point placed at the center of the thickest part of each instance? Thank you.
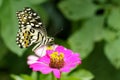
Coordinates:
(58, 32)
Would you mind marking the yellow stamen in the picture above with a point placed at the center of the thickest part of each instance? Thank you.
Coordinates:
(56, 60)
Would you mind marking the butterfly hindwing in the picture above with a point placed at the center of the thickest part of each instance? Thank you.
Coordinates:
(26, 36)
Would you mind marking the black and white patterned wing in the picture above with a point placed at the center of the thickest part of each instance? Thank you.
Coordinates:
(29, 17)
(30, 28)
(26, 36)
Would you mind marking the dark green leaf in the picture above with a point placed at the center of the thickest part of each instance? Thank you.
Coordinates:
(3, 50)
(37, 1)
(116, 1)
(61, 42)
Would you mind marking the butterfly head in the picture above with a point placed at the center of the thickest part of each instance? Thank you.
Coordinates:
(50, 40)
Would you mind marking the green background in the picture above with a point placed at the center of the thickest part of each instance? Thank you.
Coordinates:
(89, 27)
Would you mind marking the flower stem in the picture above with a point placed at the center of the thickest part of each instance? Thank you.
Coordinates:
(53, 78)
(38, 75)
(58, 78)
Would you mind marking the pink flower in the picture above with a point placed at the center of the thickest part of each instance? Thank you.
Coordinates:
(56, 59)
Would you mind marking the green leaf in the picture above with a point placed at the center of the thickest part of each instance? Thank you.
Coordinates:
(112, 51)
(22, 77)
(82, 41)
(100, 1)
(34, 75)
(37, 1)
(114, 18)
(9, 23)
(45, 76)
(82, 74)
(26, 77)
(15, 77)
(109, 35)
(116, 1)
(95, 27)
(77, 9)
(1, 1)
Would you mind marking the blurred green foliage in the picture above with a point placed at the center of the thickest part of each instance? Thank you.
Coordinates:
(88, 27)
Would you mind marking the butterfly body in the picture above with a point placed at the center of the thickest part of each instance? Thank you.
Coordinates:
(31, 30)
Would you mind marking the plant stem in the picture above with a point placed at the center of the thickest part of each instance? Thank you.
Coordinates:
(38, 75)
(58, 78)
(53, 76)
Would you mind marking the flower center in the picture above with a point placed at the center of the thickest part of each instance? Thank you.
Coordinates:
(56, 60)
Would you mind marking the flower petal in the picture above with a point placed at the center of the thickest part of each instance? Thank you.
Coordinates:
(54, 46)
(32, 59)
(48, 52)
(31, 62)
(74, 58)
(60, 49)
(44, 68)
(68, 53)
(44, 59)
(56, 72)
(65, 69)
(35, 67)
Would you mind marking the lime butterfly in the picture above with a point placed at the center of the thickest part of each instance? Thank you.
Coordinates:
(31, 30)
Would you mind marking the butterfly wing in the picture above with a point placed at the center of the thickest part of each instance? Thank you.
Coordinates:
(26, 36)
(30, 28)
(29, 17)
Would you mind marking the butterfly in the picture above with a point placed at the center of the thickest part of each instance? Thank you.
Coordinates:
(31, 30)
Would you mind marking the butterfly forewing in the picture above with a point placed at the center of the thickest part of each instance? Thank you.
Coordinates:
(29, 17)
